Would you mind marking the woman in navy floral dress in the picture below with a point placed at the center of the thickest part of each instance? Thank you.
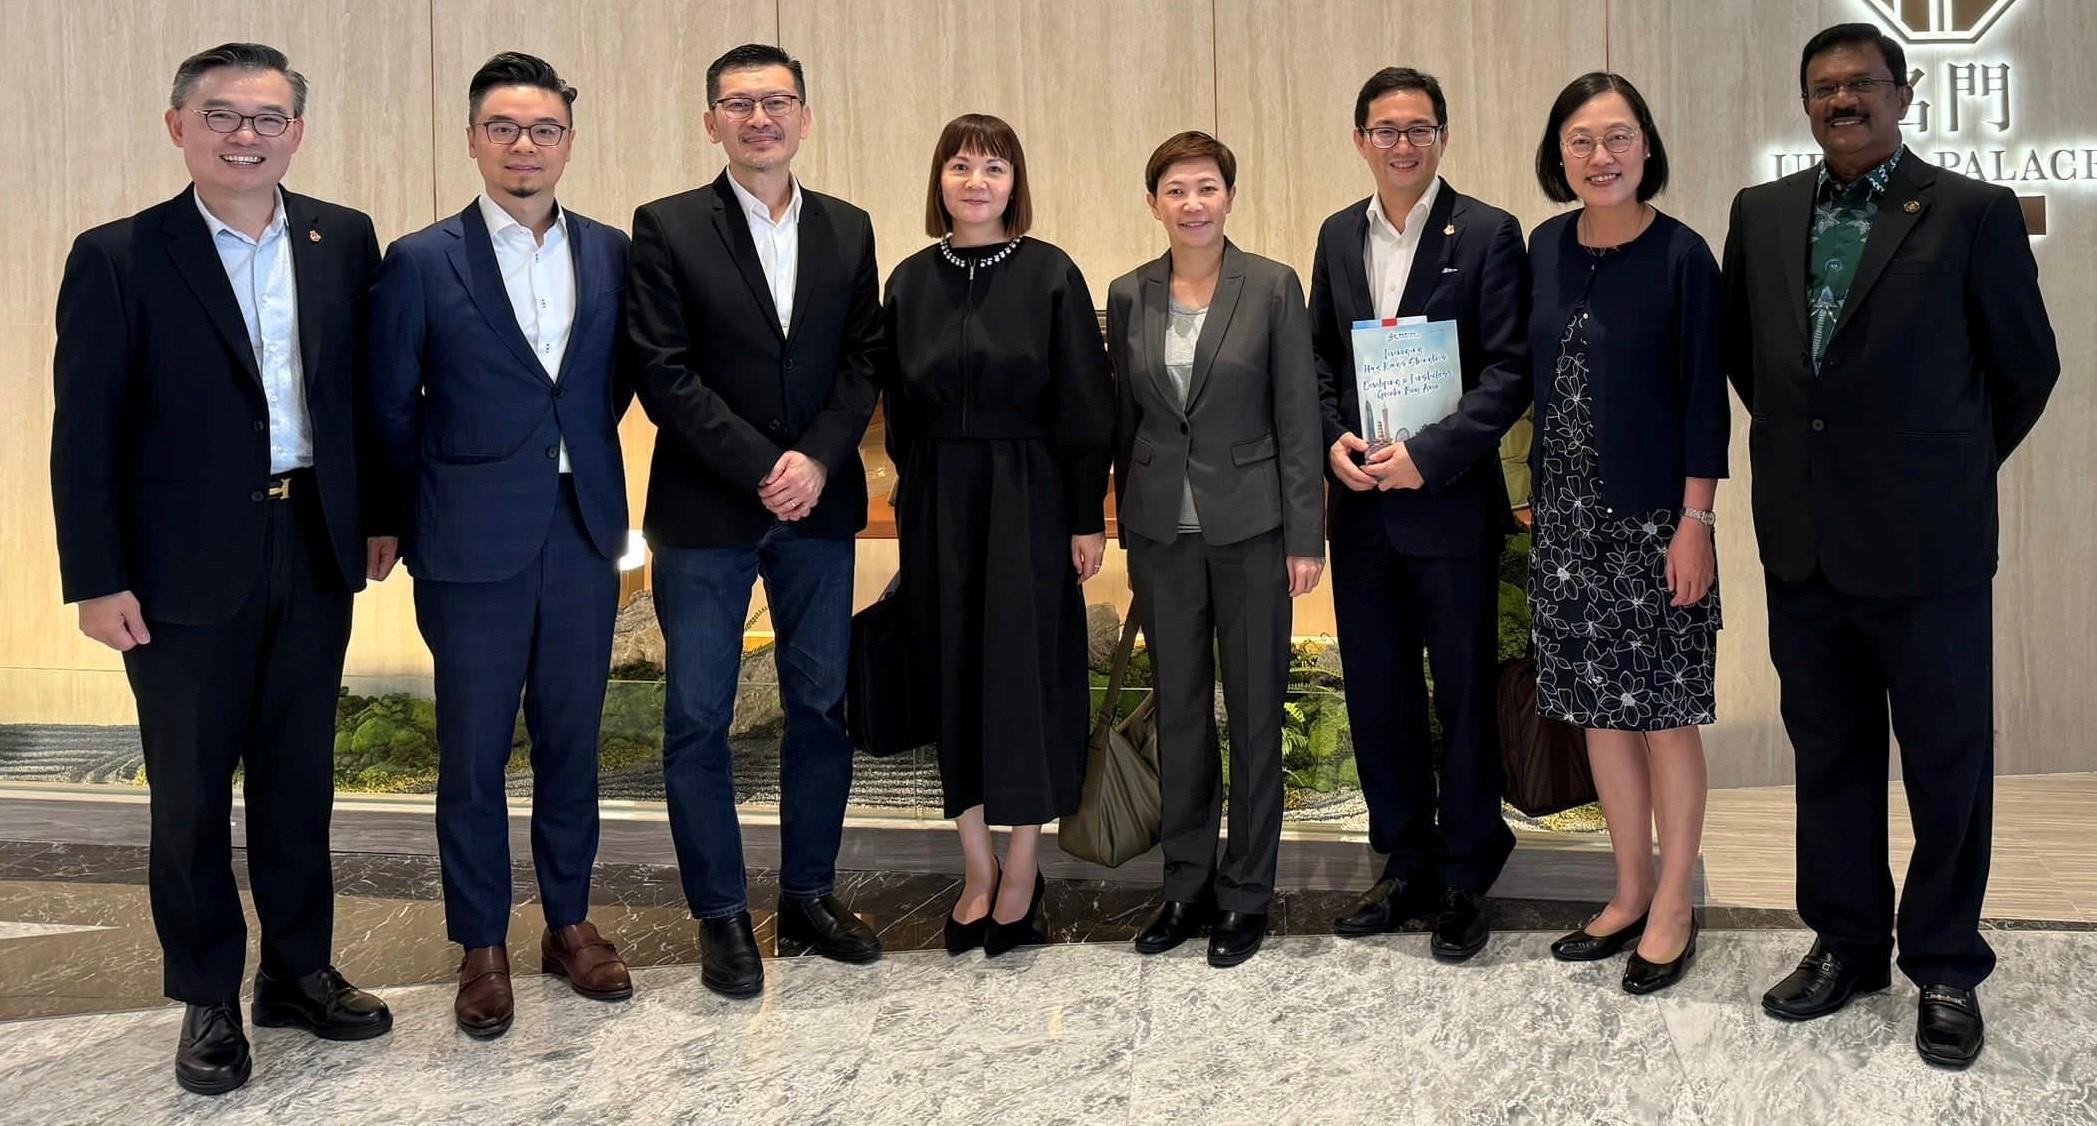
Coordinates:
(1631, 422)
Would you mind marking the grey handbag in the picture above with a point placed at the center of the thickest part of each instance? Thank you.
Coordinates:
(1118, 817)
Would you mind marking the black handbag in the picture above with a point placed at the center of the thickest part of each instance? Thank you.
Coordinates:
(1120, 813)
(1543, 761)
(889, 709)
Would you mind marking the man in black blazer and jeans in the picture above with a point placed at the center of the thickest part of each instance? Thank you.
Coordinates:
(204, 476)
(1887, 335)
(1417, 525)
(754, 311)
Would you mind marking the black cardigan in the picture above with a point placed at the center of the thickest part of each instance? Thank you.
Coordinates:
(1656, 317)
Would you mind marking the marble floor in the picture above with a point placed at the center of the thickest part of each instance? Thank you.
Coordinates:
(1314, 1029)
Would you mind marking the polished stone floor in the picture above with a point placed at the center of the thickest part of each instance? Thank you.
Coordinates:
(1314, 1029)
(76, 931)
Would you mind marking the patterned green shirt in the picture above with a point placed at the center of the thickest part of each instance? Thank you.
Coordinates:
(1842, 215)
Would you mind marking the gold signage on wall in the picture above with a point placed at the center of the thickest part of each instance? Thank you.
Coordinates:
(1940, 21)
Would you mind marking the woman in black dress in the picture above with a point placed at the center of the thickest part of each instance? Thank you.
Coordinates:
(1631, 423)
(1000, 416)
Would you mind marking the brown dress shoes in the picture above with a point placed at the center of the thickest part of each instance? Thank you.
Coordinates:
(589, 962)
(485, 1006)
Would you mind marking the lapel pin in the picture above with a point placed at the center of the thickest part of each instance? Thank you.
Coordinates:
(313, 236)
(1911, 207)
(1449, 230)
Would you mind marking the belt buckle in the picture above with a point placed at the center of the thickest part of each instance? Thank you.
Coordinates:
(280, 488)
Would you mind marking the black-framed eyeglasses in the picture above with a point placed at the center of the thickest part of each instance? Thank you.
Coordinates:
(775, 106)
(544, 134)
(1386, 136)
(1861, 87)
(265, 124)
(1618, 141)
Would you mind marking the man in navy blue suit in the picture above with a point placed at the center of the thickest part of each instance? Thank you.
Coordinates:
(1417, 525)
(496, 392)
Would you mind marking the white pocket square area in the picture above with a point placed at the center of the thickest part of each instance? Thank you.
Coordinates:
(1451, 270)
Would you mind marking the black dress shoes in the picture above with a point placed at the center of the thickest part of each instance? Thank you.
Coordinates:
(1235, 936)
(728, 960)
(1642, 977)
(1948, 1029)
(321, 1003)
(823, 924)
(1460, 929)
(212, 1057)
(1176, 922)
(1822, 984)
(1582, 946)
(1387, 906)
(1024, 931)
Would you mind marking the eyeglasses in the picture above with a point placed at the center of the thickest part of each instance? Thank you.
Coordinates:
(1583, 146)
(264, 124)
(1386, 136)
(1861, 87)
(775, 106)
(544, 134)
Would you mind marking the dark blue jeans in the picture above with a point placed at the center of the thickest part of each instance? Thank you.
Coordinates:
(702, 598)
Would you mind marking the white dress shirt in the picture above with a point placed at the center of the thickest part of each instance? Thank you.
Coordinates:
(778, 247)
(267, 290)
(540, 279)
(1388, 257)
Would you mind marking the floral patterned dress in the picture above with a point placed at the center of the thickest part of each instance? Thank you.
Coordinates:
(1611, 653)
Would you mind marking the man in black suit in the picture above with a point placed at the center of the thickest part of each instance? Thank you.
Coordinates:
(1887, 334)
(1417, 524)
(754, 312)
(204, 472)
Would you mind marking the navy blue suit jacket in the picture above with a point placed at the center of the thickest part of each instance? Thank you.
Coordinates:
(470, 422)
(1656, 380)
(1470, 268)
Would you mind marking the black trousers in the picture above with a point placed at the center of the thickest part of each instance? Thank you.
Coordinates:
(257, 691)
(1198, 599)
(1843, 660)
(1390, 607)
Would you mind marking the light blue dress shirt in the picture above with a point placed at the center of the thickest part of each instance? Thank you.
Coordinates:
(264, 285)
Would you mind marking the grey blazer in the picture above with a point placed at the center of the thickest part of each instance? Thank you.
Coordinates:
(1249, 439)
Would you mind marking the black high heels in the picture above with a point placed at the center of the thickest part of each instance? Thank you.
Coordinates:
(1025, 931)
(964, 937)
(1585, 946)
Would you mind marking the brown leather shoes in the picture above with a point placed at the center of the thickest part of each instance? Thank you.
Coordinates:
(589, 962)
(485, 1006)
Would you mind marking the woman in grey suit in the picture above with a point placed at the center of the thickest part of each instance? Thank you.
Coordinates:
(1217, 467)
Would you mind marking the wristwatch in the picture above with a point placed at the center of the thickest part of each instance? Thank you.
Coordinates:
(1707, 519)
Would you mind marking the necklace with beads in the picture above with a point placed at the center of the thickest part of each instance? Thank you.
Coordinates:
(946, 251)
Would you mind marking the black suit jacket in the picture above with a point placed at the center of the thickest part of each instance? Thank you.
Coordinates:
(729, 392)
(1470, 268)
(160, 432)
(1880, 469)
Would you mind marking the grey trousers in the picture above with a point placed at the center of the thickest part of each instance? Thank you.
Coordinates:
(1198, 600)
